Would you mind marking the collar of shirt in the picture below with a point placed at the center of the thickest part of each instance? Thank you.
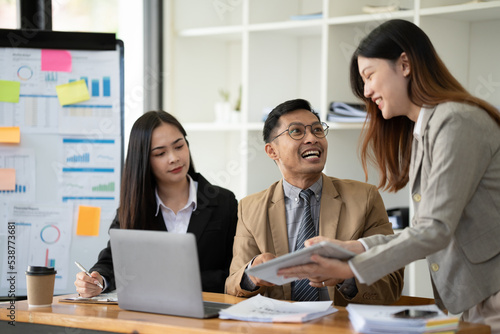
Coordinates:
(192, 199)
(417, 130)
(292, 192)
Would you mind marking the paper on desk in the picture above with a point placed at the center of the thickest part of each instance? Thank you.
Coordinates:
(378, 319)
(263, 309)
(103, 298)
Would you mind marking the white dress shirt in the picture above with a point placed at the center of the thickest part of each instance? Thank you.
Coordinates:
(178, 223)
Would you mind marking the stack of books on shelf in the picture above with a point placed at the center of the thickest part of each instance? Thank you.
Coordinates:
(381, 319)
(346, 112)
(375, 9)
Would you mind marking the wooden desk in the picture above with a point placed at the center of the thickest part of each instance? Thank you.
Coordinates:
(111, 318)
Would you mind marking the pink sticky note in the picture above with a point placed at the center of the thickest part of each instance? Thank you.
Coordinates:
(56, 60)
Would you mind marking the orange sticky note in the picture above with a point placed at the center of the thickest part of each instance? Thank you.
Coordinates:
(89, 218)
(10, 134)
(56, 60)
(7, 179)
(72, 92)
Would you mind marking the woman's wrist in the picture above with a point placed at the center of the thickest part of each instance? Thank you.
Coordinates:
(354, 246)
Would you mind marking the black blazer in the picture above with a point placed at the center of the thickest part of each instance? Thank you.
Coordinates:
(214, 225)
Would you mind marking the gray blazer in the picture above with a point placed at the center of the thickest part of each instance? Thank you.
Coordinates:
(455, 189)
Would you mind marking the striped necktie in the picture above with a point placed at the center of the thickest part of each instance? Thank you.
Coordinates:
(301, 290)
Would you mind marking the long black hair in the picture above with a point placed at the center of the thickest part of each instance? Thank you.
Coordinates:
(137, 193)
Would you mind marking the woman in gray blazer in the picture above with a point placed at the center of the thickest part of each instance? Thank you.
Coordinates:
(426, 129)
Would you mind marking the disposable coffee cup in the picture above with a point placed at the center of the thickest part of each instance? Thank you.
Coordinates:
(40, 284)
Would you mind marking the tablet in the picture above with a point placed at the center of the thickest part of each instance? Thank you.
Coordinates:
(268, 270)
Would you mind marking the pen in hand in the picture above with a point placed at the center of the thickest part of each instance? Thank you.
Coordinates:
(88, 274)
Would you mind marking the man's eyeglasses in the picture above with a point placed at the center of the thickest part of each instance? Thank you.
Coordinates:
(297, 131)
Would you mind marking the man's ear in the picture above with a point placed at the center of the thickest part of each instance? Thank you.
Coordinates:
(271, 151)
(405, 64)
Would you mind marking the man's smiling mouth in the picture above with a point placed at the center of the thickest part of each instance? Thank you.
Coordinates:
(311, 154)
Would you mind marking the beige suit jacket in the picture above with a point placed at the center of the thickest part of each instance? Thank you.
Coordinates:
(349, 210)
(455, 187)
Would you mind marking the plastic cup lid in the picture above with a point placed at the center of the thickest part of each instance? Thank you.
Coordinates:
(36, 270)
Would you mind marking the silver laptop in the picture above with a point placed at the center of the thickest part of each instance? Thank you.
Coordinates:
(158, 272)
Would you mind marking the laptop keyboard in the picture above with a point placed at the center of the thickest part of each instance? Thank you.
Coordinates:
(213, 307)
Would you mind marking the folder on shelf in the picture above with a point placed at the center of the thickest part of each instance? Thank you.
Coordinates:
(346, 112)
(313, 16)
(373, 9)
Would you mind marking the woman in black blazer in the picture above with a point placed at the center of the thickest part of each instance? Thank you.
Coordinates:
(161, 191)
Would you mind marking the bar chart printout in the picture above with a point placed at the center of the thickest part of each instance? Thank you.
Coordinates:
(22, 160)
(43, 238)
(90, 171)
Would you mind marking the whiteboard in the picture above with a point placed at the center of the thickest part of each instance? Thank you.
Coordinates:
(68, 156)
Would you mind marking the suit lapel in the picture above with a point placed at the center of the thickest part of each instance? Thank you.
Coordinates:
(416, 161)
(277, 220)
(418, 148)
(199, 221)
(158, 223)
(277, 224)
(330, 209)
(205, 207)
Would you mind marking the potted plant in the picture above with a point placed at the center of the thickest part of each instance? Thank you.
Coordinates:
(235, 113)
(223, 108)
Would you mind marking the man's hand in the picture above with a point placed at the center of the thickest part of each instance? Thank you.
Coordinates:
(264, 257)
(351, 245)
(324, 271)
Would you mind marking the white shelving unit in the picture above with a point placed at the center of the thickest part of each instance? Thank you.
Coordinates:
(254, 44)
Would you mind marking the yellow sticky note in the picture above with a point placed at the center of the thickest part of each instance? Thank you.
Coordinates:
(72, 92)
(10, 134)
(89, 218)
(7, 179)
(9, 91)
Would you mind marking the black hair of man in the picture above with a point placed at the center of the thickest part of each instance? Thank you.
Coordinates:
(282, 109)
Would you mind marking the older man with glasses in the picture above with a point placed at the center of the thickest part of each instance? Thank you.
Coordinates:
(306, 204)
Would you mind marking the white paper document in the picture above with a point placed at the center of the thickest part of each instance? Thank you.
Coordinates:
(263, 309)
(103, 298)
(380, 319)
(43, 238)
(23, 161)
(39, 109)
